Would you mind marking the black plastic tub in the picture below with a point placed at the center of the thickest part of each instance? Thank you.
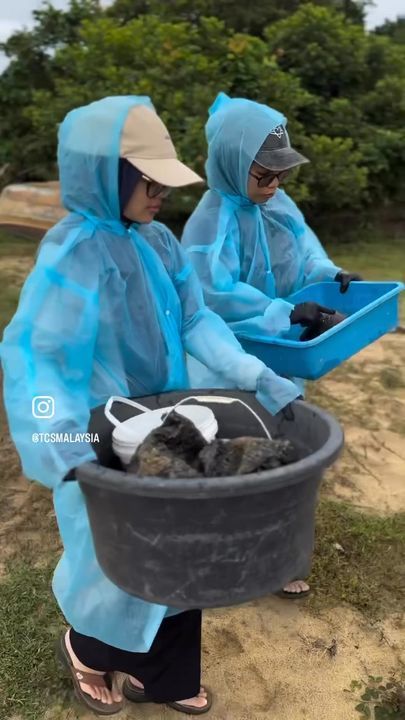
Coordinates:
(210, 542)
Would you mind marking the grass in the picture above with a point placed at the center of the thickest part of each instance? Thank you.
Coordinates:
(8, 303)
(347, 563)
(30, 680)
(15, 248)
(375, 255)
(378, 259)
(16, 245)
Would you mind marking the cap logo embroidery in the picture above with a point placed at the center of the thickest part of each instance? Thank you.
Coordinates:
(278, 131)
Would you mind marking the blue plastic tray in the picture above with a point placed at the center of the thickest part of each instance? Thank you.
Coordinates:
(373, 309)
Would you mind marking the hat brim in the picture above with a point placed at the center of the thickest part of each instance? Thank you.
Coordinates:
(166, 171)
(283, 159)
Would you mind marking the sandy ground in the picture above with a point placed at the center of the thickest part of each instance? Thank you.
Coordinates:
(270, 660)
(371, 471)
(274, 659)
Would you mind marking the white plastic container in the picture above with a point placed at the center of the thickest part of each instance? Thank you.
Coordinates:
(128, 435)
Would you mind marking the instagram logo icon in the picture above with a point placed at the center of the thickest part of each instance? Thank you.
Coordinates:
(43, 406)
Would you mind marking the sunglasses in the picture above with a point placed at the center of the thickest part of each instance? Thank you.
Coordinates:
(267, 179)
(153, 188)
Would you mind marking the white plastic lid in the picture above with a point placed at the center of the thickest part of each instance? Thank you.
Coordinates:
(132, 432)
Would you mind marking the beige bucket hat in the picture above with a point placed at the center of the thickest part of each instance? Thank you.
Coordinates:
(146, 144)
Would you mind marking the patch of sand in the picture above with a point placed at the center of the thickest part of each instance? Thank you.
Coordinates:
(269, 660)
(371, 470)
(371, 473)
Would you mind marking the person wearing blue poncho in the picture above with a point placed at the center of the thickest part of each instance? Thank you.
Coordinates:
(248, 241)
(111, 307)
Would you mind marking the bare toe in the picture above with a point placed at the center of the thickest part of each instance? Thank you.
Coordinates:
(117, 697)
(198, 701)
(297, 587)
(137, 683)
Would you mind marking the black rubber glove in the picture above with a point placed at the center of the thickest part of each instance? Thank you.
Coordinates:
(288, 413)
(345, 279)
(309, 314)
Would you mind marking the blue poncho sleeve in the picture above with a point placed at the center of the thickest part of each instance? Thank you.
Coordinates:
(47, 355)
(317, 266)
(247, 309)
(314, 263)
(205, 335)
(208, 339)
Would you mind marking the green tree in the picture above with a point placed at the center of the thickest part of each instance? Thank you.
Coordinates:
(383, 153)
(341, 88)
(236, 14)
(356, 83)
(394, 29)
(336, 178)
(384, 58)
(385, 104)
(316, 44)
(176, 64)
(30, 70)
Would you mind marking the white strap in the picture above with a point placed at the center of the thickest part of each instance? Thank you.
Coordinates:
(200, 398)
(124, 401)
(225, 401)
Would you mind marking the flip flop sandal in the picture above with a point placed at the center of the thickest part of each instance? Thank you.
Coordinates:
(286, 595)
(137, 695)
(133, 693)
(189, 709)
(79, 676)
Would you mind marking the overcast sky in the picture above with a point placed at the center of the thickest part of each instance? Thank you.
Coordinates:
(14, 14)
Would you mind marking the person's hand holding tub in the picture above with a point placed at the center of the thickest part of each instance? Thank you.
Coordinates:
(316, 319)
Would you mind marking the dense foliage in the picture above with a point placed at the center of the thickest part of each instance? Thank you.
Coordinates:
(341, 87)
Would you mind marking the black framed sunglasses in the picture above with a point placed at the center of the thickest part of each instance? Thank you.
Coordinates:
(266, 180)
(153, 188)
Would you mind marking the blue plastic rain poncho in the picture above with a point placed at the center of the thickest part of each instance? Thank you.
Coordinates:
(107, 310)
(249, 257)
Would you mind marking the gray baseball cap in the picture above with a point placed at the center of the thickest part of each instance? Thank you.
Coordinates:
(276, 152)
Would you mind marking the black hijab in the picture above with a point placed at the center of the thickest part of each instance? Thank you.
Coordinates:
(128, 178)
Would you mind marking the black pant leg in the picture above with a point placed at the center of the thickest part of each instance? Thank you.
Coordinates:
(171, 670)
(91, 652)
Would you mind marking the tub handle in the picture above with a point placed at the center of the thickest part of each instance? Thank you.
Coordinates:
(200, 398)
(124, 401)
(226, 401)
